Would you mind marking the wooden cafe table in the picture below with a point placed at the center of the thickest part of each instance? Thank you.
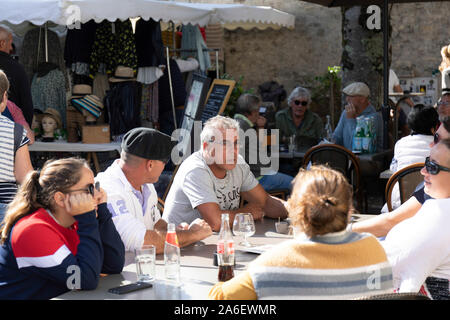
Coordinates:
(197, 272)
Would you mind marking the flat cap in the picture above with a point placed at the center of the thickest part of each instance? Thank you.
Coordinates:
(357, 89)
(148, 143)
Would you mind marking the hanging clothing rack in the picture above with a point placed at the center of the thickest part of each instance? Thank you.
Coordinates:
(168, 50)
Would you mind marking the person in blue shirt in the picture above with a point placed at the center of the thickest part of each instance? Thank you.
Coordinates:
(358, 104)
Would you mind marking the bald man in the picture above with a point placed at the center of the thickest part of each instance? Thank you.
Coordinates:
(20, 90)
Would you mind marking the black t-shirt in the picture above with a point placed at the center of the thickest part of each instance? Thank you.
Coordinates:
(20, 88)
(420, 194)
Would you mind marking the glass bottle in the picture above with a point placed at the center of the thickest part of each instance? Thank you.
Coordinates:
(225, 250)
(328, 129)
(172, 254)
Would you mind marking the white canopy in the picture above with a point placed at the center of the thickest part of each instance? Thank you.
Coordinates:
(66, 12)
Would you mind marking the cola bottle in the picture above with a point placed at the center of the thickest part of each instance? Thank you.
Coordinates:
(225, 250)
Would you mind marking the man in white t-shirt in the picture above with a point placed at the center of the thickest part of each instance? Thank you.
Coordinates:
(417, 248)
(132, 198)
(212, 180)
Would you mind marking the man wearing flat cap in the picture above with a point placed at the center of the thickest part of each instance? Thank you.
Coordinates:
(357, 98)
(132, 198)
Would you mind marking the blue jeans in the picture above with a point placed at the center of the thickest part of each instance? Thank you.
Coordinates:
(276, 181)
(2, 210)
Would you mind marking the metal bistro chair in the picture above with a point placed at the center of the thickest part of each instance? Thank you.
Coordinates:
(407, 179)
(342, 159)
(395, 296)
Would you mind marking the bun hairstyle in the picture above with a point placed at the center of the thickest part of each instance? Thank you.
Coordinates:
(445, 54)
(39, 187)
(321, 201)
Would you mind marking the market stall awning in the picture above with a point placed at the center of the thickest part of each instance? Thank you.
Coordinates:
(65, 12)
(35, 11)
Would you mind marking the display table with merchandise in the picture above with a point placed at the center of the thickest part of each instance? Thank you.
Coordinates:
(89, 148)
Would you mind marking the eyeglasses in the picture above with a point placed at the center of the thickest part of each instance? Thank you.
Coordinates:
(436, 138)
(444, 103)
(299, 102)
(434, 168)
(90, 188)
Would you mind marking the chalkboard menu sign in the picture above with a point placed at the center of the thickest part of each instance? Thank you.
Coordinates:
(217, 99)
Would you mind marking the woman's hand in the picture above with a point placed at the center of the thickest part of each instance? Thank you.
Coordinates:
(79, 203)
(100, 196)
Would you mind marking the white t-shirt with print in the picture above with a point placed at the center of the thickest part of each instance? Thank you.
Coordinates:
(195, 184)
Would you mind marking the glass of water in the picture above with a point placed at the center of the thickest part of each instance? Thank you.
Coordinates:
(145, 263)
(244, 225)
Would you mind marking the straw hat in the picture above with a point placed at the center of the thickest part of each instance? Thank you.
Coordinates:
(80, 90)
(123, 74)
(53, 113)
(91, 103)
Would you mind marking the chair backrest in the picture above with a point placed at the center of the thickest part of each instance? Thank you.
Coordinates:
(396, 296)
(338, 158)
(407, 178)
(170, 182)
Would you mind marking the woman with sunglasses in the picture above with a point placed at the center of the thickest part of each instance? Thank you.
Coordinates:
(298, 119)
(381, 224)
(418, 248)
(57, 234)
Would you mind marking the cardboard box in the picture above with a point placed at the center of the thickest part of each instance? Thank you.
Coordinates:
(98, 133)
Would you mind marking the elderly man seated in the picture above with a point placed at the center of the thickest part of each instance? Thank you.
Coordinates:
(358, 104)
(212, 180)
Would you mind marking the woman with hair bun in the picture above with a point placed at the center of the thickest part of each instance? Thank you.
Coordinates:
(57, 234)
(324, 260)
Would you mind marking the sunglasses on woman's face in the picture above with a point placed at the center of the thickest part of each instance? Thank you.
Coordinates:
(434, 168)
(299, 102)
(90, 188)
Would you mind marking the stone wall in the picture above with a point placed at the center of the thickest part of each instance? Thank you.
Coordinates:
(294, 57)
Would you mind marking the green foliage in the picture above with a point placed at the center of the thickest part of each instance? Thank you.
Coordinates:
(321, 93)
(238, 90)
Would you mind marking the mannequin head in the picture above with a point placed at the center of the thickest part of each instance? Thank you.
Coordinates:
(49, 125)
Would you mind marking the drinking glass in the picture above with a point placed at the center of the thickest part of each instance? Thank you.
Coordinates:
(244, 226)
(145, 263)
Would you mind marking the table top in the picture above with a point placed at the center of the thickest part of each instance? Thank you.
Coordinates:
(64, 146)
(197, 272)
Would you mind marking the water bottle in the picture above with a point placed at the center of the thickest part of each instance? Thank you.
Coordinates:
(328, 130)
(172, 254)
(358, 135)
(225, 250)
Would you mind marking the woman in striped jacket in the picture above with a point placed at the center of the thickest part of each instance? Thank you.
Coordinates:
(324, 261)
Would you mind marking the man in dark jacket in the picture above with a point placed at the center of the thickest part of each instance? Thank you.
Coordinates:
(20, 90)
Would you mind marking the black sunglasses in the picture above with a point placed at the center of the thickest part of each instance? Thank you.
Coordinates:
(436, 138)
(90, 188)
(434, 168)
(298, 102)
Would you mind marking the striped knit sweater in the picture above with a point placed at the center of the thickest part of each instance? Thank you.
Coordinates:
(341, 265)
